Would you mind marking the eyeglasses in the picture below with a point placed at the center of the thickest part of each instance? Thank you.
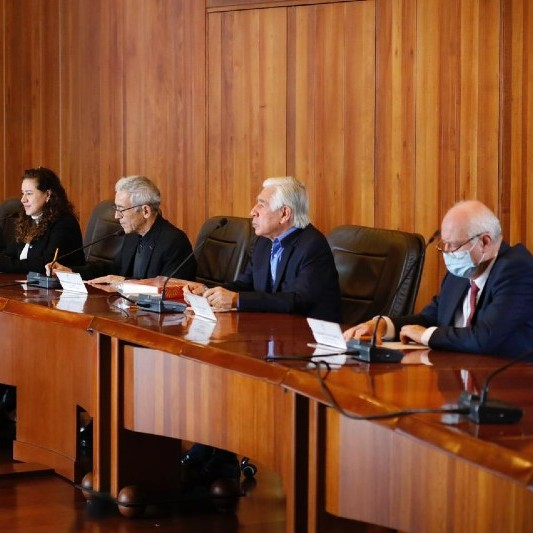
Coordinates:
(442, 245)
(120, 210)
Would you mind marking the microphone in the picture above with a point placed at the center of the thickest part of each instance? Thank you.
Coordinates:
(157, 303)
(369, 351)
(51, 282)
(481, 410)
(116, 233)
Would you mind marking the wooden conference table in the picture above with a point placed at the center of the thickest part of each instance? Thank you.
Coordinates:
(149, 380)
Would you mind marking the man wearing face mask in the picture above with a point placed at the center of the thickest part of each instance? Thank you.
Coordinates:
(486, 299)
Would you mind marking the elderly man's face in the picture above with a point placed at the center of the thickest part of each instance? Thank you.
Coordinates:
(132, 219)
(268, 223)
(455, 238)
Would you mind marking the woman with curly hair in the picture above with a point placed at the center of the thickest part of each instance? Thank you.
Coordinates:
(46, 222)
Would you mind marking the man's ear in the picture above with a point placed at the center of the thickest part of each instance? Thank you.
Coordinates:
(147, 210)
(286, 214)
(486, 239)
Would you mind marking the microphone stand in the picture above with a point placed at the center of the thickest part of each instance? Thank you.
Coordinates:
(369, 352)
(157, 303)
(481, 410)
(52, 282)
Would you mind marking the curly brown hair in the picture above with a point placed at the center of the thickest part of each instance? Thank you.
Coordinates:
(57, 205)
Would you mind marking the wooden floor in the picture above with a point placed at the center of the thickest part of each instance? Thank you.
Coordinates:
(49, 503)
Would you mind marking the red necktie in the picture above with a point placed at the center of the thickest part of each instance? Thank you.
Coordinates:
(474, 289)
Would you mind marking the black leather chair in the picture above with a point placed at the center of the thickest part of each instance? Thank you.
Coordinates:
(102, 222)
(9, 209)
(225, 251)
(379, 270)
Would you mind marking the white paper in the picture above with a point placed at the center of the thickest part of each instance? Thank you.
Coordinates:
(71, 281)
(72, 301)
(327, 333)
(200, 331)
(335, 360)
(200, 306)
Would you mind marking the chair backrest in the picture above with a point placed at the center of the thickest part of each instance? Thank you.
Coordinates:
(8, 220)
(102, 222)
(225, 251)
(379, 270)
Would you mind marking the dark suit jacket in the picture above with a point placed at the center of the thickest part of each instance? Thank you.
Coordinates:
(64, 233)
(503, 321)
(307, 281)
(168, 246)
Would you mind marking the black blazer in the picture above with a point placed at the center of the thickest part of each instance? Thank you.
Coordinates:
(64, 233)
(503, 321)
(307, 281)
(168, 247)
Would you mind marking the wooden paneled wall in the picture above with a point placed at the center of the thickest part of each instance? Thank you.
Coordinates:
(388, 110)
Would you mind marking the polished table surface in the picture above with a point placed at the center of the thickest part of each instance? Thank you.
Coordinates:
(238, 344)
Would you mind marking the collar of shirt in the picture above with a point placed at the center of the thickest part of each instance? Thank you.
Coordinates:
(463, 311)
(482, 280)
(280, 237)
(148, 238)
(277, 250)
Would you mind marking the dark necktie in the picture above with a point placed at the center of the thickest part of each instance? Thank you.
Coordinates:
(139, 261)
(275, 255)
(474, 289)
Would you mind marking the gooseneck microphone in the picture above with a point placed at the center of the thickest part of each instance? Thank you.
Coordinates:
(481, 410)
(51, 282)
(116, 233)
(369, 351)
(157, 303)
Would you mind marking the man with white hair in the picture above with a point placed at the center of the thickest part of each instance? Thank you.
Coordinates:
(291, 269)
(152, 245)
(486, 299)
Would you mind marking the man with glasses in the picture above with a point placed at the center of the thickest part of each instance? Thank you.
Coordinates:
(152, 245)
(486, 298)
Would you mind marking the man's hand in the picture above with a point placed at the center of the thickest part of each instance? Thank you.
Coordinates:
(221, 299)
(56, 267)
(366, 329)
(194, 288)
(107, 280)
(412, 333)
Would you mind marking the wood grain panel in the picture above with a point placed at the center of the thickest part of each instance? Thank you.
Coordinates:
(214, 398)
(395, 176)
(164, 105)
(4, 191)
(226, 5)
(91, 100)
(331, 110)
(53, 379)
(516, 112)
(213, 405)
(425, 489)
(31, 91)
(480, 94)
(457, 114)
(435, 126)
(246, 106)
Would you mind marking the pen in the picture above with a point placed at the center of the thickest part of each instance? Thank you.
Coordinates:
(54, 261)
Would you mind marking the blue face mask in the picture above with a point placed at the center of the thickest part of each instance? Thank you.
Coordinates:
(460, 264)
